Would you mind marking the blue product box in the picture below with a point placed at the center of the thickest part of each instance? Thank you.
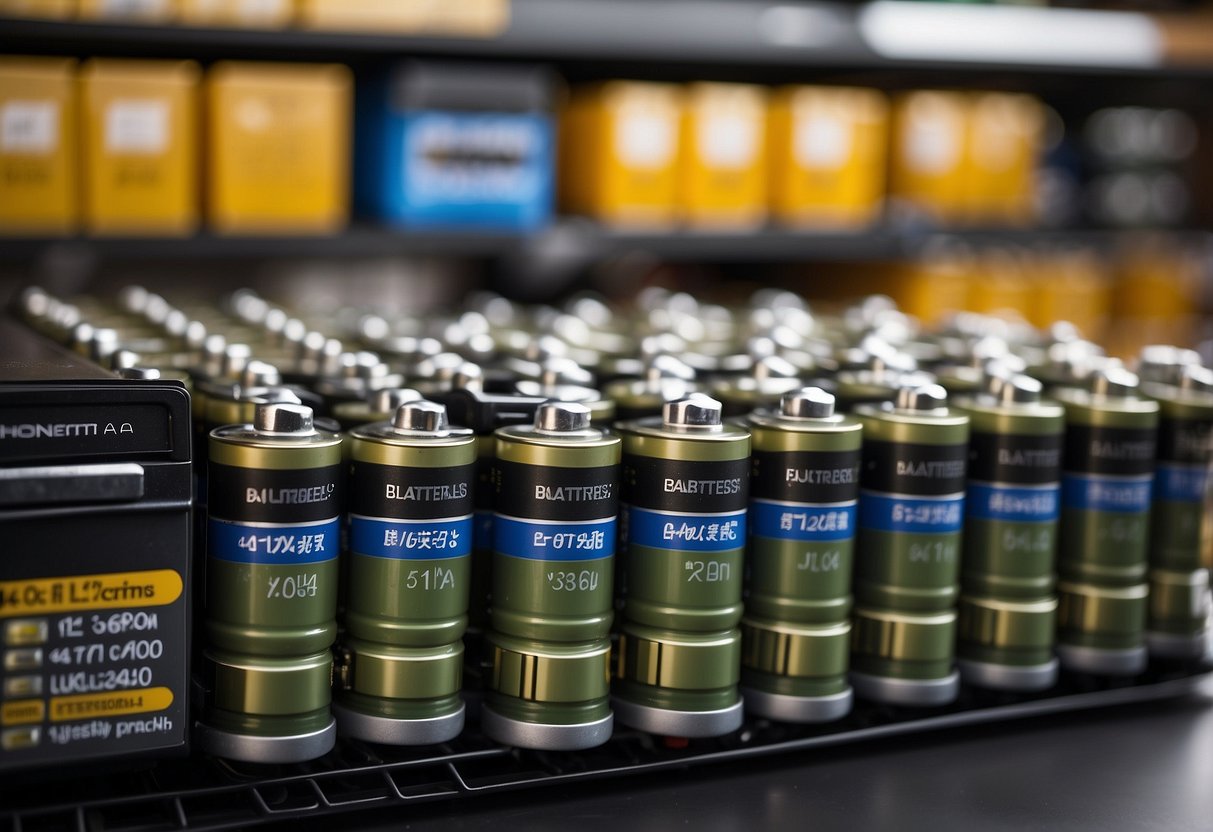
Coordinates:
(466, 147)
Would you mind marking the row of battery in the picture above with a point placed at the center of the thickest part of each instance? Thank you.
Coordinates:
(789, 495)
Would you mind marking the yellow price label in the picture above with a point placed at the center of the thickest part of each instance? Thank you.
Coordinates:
(72, 593)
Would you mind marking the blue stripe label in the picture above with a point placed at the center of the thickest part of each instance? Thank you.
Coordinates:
(411, 539)
(1015, 503)
(1093, 493)
(892, 513)
(567, 541)
(273, 544)
(1180, 483)
(808, 523)
(483, 534)
(686, 532)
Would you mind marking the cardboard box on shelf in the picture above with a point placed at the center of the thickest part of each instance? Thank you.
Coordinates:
(140, 128)
(278, 144)
(38, 158)
(827, 155)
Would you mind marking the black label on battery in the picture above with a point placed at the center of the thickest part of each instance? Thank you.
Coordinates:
(1185, 440)
(411, 493)
(682, 485)
(545, 492)
(1015, 458)
(261, 495)
(906, 468)
(1116, 451)
(805, 476)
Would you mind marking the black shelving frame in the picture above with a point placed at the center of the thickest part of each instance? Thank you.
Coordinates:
(201, 793)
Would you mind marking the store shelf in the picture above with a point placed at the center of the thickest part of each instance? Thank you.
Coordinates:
(205, 793)
(881, 34)
(568, 242)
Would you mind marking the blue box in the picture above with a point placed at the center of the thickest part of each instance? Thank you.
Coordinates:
(456, 147)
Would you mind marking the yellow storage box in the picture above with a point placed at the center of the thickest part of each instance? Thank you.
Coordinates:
(722, 155)
(38, 180)
(279, 142)
(140, 127)
(619, 151)
(1002, 151)
(928, 155)
(466, 18)
(827, 156)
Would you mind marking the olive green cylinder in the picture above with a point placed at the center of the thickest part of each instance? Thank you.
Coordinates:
(686, 492)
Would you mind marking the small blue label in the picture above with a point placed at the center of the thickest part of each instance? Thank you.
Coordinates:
(272, 543)
(565, 541)
(1124, 495)
(686, 532)
(892, 513)
(411, 539)
(1021, 504)
(1180, 483)
(483, 535)
(783, 521)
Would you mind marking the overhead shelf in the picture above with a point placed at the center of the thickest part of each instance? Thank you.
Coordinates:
(568, 242)
(884, 33)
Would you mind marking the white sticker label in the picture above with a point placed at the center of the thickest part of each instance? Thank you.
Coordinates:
(822, 141)
(29, 127)
(644, 140)
(136, 126)
(133, 7)
(931, 145)
(728, 141)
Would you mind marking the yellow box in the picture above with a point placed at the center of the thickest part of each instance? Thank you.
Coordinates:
(144, 11)
(827, 150)
(54, 9)
(722, 175)
(1071, 285)
(1002, 283)
(468, 18)
(38, 161)
(263, 14)
(928, 157)
(140, 127)
(279, 142)
(1001, 154)
(619, 152)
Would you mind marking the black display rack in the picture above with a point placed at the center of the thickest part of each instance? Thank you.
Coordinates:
(200, 793)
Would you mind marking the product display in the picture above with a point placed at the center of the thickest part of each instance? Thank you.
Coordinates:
(407, 401)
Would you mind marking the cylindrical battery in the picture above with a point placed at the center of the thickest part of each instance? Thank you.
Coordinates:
(910, 514)
(272, 539)
(556, 495)
(1179, 585)
(1108, 468)
(1008, 609)
(804, 489)
(686, 489)
(409, 549)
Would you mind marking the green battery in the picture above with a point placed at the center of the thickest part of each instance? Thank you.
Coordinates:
(804, 490)
(686, 479)
(665, 378)
(275, 491)
(911, 509)
(1108, 469)
(1008, 608)
(556, 500)
(1179, 585)
(409, 548)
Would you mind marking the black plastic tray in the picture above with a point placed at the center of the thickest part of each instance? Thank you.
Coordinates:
(200, 792)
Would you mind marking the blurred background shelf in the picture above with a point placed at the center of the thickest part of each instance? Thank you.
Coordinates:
(880, 35)
(570, 240)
